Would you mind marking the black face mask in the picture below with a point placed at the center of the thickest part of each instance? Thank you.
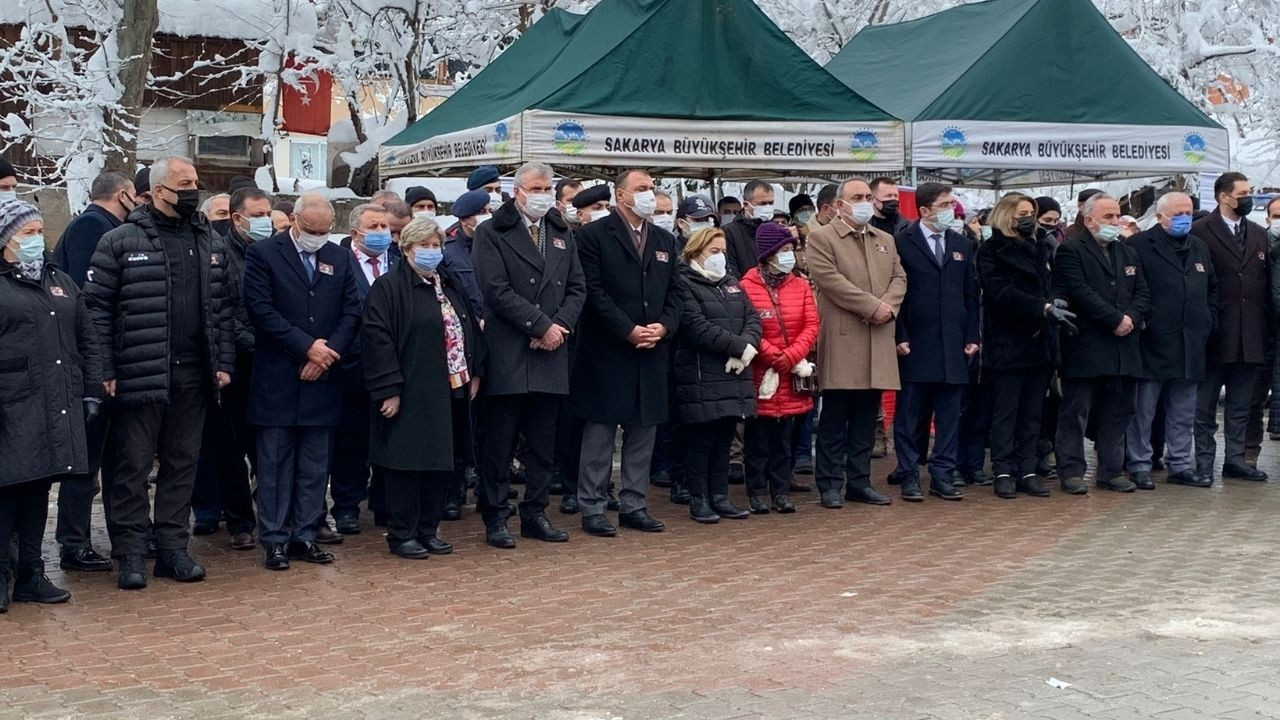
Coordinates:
(188, 202)
(1244, 205)
(1049, 227)
(222, 227)
(1026, 226)
(889, 208)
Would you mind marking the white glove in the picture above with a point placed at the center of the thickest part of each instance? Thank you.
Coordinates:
(735, 366)
(769, 385)
(804, 368)
(749, 354)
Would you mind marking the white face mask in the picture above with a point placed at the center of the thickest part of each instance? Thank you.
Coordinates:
(861, 213)
(695, 225)
(715, 265)
(425, 214)
(495, 200)
(644, 203)
(785, 261)
(8, 194)
(599, 215)
(666, 222)
(727, 218)
(762, 212)
(312, 243)
(538, 204)
(480, 219)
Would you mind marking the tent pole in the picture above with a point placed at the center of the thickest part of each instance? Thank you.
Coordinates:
(914, 182)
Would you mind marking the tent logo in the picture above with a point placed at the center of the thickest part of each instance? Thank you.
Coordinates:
(501, 138)
(864, 145)
(954, 143)
(570, 138)
(1194, 149)
(390, 159)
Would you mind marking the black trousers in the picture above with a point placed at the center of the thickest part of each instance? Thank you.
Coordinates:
(1111, 400)
(846, 432)
(222, 487)
(706, 459)
(351, 478)
(75, 493)
(766, 445)
(917, 404)
(975, 427)
(414, 502)
(1017, 400)
(532, 415)
(171, 432)
(1238, 380)
(24, 509)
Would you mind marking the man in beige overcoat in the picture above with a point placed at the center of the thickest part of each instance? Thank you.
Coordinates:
(860, 285)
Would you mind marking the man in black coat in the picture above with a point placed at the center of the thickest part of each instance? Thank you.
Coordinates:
(1238, 348)
(937, 334)
(1184, 306)
(528, 269)
(110, 201)
(620, 374)
(300, 292)
(888, 217)
(159, 296)
(740, 235)
(1101, 280)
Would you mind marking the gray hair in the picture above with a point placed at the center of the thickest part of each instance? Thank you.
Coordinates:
(1087, 209)
(208, 203)
(533, 168)
(307, 201)
(417, 230)
(1162, 203)
(357, 213)
(106, 185)
(382, 195)
(659, 192)
(161, 168)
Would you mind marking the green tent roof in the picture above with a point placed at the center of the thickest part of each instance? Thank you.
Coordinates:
(1013, 61)
(651, 58)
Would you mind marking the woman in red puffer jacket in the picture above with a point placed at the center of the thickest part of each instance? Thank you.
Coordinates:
(789, 318)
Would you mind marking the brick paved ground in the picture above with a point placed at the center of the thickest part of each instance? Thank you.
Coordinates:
(1155, 604)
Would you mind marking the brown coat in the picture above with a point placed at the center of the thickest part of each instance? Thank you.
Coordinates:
(852, 273)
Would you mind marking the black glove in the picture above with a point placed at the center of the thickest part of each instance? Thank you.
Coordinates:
(1058, 314)
(92, 409)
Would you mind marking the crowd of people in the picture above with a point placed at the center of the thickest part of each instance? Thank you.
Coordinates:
(227, 359)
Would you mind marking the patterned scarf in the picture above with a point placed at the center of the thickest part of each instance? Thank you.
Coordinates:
(31, 270)
(771, 277)
(455, 351)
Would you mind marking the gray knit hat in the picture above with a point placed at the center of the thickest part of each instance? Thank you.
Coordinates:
(13, 215)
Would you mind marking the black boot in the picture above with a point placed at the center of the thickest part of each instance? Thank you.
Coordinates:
(679, 492)
(177, 564)
(452, 509)
(700, 510)
(133, 573)
(34, 586)
(726, 509)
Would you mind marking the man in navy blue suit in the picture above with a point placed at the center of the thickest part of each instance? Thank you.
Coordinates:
(301, 294)
(937, 335)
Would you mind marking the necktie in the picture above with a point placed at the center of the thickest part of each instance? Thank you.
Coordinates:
(937, 247)
(306, 265)
(1241, 237)
(533, 233)
(373, 265)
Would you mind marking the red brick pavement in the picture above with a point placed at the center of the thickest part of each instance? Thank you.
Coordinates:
(695, 608)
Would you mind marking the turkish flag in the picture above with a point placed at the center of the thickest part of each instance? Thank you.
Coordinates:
(306, 109)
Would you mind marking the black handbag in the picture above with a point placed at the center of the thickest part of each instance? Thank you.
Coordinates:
(799, 385)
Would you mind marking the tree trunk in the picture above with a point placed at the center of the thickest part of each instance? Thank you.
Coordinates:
(134, 36)
(364, 179)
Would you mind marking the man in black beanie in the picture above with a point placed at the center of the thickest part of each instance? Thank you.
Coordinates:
(8, 180)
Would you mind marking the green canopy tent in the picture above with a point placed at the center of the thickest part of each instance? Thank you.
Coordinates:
(646, 83)
(1018, 93)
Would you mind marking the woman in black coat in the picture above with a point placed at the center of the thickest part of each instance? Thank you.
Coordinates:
(719, 332)
(422, 357)
(1019, 345)
(50, 377)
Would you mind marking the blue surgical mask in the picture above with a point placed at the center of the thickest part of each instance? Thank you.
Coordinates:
(427, 259)
(8, 194)
(986, 232)
(1180, 225)
(377, 240)
(1107, 233)
(260, 228)
(30, 248)
(785, 261)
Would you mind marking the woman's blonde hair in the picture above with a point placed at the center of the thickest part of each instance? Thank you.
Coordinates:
(699, 242)
(1001, 216)
(417, 230)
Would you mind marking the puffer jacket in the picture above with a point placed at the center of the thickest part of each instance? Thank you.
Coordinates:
(127, 293)
(792, 305)
(717, 323)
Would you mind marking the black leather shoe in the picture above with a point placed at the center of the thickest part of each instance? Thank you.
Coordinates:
(726, 509)
(309, 552)
(325, 535)
(1143, 480)
(866, 495)
(243, 541)
(1118, 484)
(133, 573)
(641, 520)
(1005, 487)
(737, 474)
(436, 546)
(783, 504)
(956, 478)
(411, 550)
(201, 529)
(1074, 486)
(700, 510)
(452, 510)
(893, 478)
(275, 558)
(1243, 472)
(33, 586)
(611, 502)
(945, 490)
(499, 536)
(1032, 485)
(84, 559)
(758, 505)
(540, 528)
(569, 504)
(347, 523)
(1190, 478)
(978, 479)
(596, 525)
(660, 479)
(679, 493)
(830, 499)
(178, 565)
(911, 489)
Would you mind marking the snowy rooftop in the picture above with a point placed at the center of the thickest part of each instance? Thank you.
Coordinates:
(230, 19)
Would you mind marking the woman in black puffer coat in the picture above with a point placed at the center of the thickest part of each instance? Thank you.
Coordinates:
(719, 332)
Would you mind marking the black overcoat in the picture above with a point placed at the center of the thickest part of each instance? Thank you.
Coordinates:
(1101, 287)
(939, 314)
(1243, 291)
(1183, 308)
(1016, 276)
